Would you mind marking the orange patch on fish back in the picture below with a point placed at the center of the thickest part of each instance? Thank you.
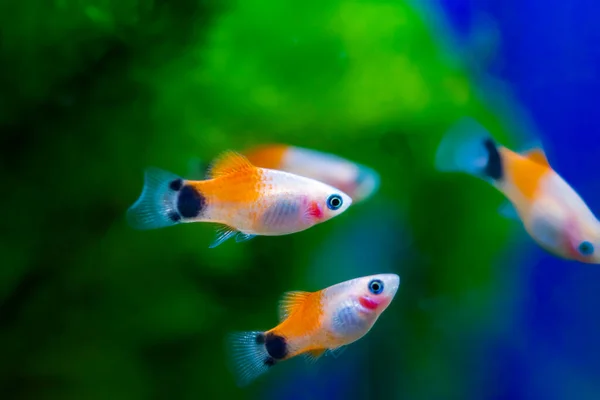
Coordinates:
(267, 156)
(524, 173)
(236, 188)
(306, 318)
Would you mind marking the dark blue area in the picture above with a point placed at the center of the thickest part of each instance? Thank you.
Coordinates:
(460, 13)
(550, 55)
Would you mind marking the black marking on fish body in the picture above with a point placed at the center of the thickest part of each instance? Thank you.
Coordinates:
(270, 361)
(190, 202)
(494, 168)
(260, 338)
(174, 216)
(276, 346)
(176, 184)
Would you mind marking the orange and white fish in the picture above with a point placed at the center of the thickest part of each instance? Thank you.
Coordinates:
(356, 180)
(552, 213)
(312, 323)
(245, 200)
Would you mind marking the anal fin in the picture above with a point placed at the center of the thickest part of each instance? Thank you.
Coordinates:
(224, 232)
(312, 356)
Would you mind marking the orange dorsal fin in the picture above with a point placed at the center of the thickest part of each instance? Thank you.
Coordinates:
(290, 302)
(537, 155)
(228, 163)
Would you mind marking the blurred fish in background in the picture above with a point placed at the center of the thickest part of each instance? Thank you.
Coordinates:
(553, 214)
(547, 349)
(358, 181)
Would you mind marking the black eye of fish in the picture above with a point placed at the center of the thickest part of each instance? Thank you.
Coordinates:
(586, 248)
(376, 286)
(334, 202)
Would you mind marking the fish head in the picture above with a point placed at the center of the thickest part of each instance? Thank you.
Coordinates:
(355, 305)
(374, 293)
(324, 202)
(562, 223)
(582, 240)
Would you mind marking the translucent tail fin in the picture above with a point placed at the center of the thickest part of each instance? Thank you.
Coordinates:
(248, 356)
(468, 147)
(157, 205)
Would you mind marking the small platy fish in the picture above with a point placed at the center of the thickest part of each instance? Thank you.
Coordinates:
(356, 180)
(552, 213)
(312, 323)
(243, 199)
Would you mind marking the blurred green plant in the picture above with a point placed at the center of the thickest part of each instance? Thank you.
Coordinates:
(95, 91)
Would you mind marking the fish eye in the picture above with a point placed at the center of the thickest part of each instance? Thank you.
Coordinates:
(376, 286)
(586, 248)
(334, 202)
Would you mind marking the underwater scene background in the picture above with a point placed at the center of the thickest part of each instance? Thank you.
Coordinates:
(93, 92)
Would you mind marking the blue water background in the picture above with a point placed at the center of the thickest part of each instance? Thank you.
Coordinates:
(550, 57)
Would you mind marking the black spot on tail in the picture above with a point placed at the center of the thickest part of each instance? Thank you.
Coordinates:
(190, 202)
(174, 216)
(269, 361)
(493, 169)
(276, 346)
(176, 185)
(260, 338)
